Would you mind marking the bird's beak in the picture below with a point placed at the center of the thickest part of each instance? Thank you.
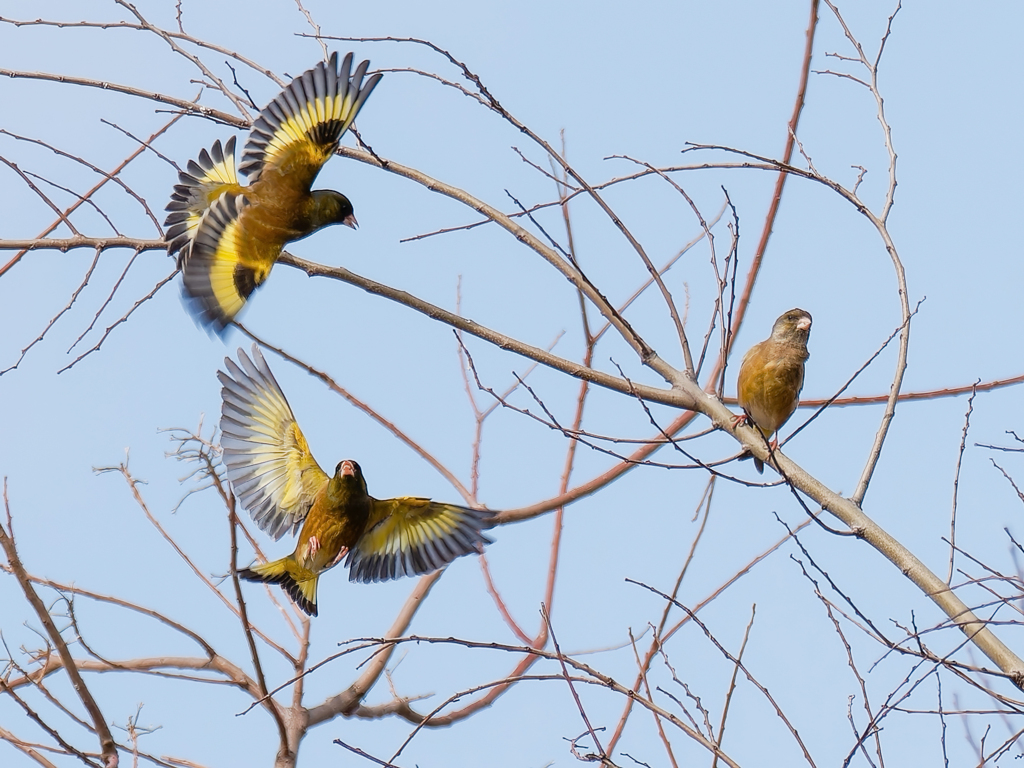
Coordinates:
(803, 324)
(350, 221)
(348, 468)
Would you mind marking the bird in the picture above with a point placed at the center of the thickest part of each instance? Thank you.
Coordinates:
(228, 236)
(772, 375)
(273, 474)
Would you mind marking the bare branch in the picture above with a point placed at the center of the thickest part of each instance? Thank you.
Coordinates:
(107, 747)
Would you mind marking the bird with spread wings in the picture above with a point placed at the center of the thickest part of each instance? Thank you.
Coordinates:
(274, 476)
(228, 236)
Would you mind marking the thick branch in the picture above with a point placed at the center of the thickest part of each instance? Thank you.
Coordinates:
(896, 553)
(156, 665)
(647, 356)
(675, 396)
(183, 104)
(68, 243)
(347, 702)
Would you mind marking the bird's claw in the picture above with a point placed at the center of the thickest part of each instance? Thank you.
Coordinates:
(341, 554)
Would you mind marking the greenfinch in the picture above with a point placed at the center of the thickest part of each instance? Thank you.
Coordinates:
(228, 236)
(275, 477)
(772, 375)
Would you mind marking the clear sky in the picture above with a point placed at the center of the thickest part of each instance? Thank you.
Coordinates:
(638, 81)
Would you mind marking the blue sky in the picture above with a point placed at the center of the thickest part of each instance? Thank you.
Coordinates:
(639, 82)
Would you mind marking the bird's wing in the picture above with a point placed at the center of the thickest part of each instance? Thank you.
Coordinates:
(267, 458)
(408, 535)
(223, 265)
(204, 181)
(299, 130)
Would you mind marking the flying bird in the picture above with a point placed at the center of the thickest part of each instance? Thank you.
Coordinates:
(772, 375)
(275, 477)
(228, 236)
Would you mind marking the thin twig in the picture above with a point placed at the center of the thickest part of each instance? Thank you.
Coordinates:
(956, 483)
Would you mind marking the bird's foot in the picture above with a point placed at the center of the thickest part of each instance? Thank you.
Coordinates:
(341, 554)
(313, 546)
(737, 420)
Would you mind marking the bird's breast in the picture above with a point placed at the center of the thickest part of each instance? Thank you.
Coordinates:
(333, 530)
(280, 212)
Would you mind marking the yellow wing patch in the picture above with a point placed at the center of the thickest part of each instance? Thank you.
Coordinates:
(268, 461)
(223, 266)
(224, 262)
(408, 536)
(205, 180)
(307, 120)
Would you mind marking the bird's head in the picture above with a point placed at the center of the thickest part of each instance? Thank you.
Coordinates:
(333, 208)
(348, 482)
(793, 327)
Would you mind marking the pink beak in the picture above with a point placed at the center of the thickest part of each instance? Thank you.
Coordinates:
(348, 468)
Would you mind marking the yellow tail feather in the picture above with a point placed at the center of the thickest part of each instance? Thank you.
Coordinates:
(298, 582)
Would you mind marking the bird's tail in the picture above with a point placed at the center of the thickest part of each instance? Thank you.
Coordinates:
(298, 582)
(204, 181)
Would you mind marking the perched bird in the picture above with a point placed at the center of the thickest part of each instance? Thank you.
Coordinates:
(772, 375)
(228, 236)
(275, 477)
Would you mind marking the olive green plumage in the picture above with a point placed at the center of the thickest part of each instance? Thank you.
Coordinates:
(333, 525)
(274, 476)
(229, 236)
(772, 375)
